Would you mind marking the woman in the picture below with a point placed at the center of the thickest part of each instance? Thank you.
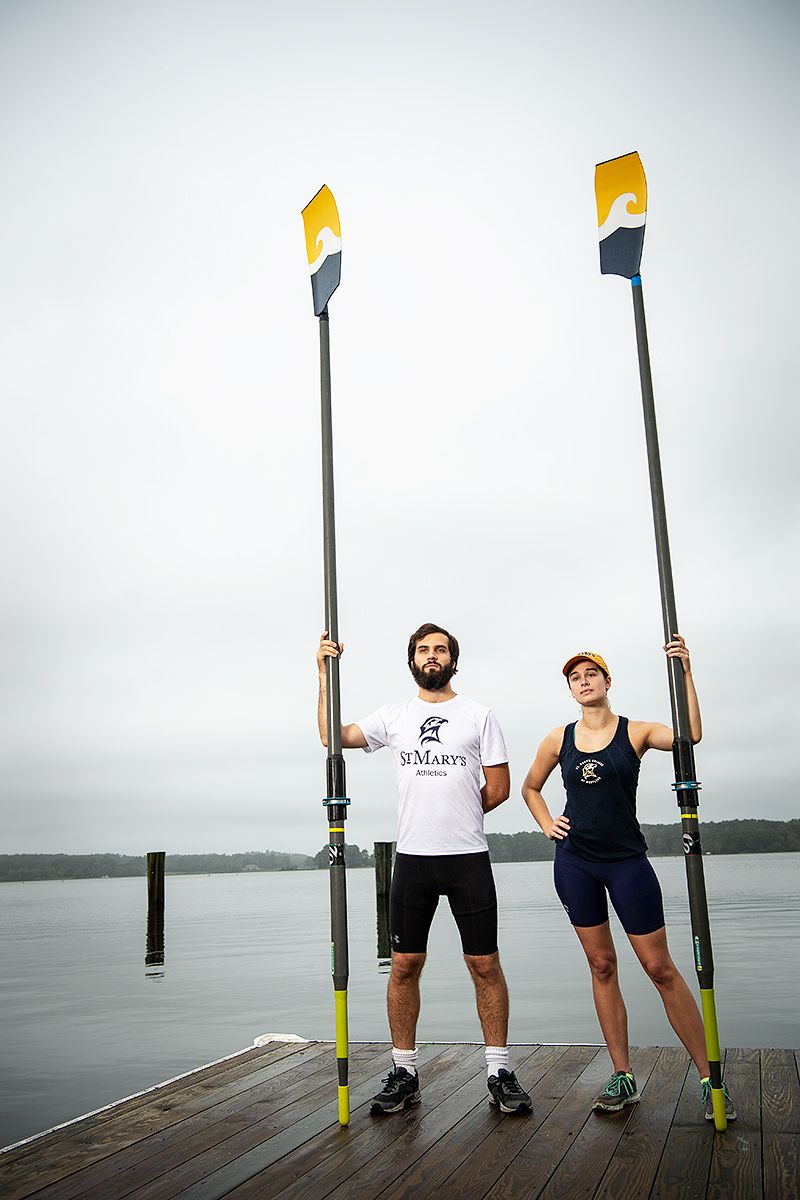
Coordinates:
(600, 853)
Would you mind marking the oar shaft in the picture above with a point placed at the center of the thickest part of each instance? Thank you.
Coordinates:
(329, 538)
(680, 715)
(336, 801)
(686, 784)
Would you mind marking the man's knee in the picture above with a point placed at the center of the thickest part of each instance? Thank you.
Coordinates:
(484, 967)
(406, 967)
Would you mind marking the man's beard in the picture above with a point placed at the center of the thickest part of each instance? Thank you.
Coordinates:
(433, 681)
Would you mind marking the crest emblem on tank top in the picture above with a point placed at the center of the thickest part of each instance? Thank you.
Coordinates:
(588, 770)
(429, 730)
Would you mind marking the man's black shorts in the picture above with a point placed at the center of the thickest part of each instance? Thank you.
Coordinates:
(418, 880)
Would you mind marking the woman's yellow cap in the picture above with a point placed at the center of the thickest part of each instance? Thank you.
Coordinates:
(592, 656)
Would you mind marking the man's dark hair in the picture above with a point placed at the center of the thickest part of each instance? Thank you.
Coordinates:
(423, 632)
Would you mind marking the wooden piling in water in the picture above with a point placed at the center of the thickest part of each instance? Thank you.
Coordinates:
(156, 862)
(383, 884)
(156, 865)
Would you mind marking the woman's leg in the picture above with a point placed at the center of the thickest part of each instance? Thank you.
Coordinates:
(583, 895)
(598, 946)
(681, 1007)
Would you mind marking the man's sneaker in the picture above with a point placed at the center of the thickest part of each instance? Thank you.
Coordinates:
(505, 1091)
(619, 1091)
(400, 1090)
(707, 1102)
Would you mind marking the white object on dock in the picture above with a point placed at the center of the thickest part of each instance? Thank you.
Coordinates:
(277, 1037)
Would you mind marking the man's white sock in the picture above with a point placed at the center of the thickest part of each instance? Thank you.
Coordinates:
(496, 1060)
(405, 1058)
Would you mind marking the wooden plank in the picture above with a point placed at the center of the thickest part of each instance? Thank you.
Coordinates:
(328, 1160)
(682, 1173)
(781, 1124)
(530, 1169)
(422, 1173)
(446, 1098)
(38, 1145)
(590, 1152)
(169, 1163)
(211, 1181)
(230, 1067)
(781, 1166)
(419, 1133)
(256, 1126)
(480, 1156)
(246, 1112)
(780, 1092)
(129, 1124)
(736, 1172)
(633, 1166)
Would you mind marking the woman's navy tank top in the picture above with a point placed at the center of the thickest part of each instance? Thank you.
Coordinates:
(601, 797)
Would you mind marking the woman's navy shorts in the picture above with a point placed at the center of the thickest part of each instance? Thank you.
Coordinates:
(630, 882)
(418, 880)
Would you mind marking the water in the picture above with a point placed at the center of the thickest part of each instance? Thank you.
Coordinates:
(84, 1024)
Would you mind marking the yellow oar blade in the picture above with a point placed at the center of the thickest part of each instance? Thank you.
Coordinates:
(621, 191)
(323, 246)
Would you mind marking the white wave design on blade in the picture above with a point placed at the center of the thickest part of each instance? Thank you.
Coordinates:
(331, 244)
(620, 218)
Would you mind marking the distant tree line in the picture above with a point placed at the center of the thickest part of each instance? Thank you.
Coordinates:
(14, 867)
(719, 837)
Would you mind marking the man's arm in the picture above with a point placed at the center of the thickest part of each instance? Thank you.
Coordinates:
(497, 787)
(352, 737)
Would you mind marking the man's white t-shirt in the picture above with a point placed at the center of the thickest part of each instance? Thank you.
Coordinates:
(438, 752)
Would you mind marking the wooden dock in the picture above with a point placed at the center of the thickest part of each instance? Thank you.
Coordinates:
(263, 1124)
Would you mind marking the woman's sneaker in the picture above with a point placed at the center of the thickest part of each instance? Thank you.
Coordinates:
(620, 1090)
(706, 1099)
(400, 1090)
(505, 1091)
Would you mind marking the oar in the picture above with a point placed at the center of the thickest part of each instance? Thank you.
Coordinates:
(621, 191)
(323, 243)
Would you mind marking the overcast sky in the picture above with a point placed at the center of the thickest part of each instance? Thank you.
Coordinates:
(159, 459)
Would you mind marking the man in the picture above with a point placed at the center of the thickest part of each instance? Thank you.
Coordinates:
(443, 746)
